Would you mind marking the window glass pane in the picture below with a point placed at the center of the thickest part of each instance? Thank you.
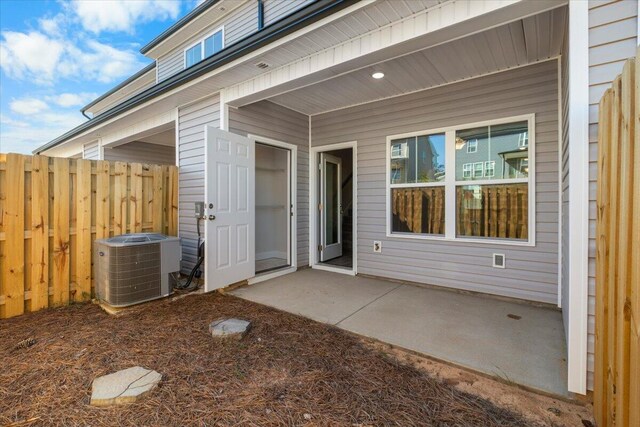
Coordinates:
(418, 210)
(504, 148)
(431, 158)
(193, 55)
(495, 211)
(403, 160)
(417, 159)
(332, 210)
(213, 44)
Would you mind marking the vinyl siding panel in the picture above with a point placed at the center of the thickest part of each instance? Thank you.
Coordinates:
(142, 152)
(91, 151)
(238, 24)
(274, 10)
(532, 272)
(273, 121)
(612, 39)
(191, 122)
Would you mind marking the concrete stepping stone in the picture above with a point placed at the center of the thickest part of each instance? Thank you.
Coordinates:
(229, 328)
(124, 386)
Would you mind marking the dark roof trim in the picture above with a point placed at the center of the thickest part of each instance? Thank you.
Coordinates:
(120, 86)
(299, 19)
(178, 25)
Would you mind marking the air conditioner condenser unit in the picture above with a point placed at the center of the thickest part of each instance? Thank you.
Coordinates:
(134, 268)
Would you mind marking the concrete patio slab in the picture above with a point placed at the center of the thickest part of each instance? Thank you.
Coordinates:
(319, 295)
(518, 342)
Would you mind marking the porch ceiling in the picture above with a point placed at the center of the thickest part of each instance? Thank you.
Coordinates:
(521, 42)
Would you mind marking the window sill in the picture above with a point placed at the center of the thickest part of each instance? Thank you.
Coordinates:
(497, 242)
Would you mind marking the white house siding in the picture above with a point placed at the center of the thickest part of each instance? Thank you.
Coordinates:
(142, 152)
(273, 121)
(191, 123)
(238, 24)
(91, 151)
(613, 38)
(275, 10)
(532, 272)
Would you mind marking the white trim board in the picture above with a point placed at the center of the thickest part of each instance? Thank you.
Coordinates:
(293, 192)
(578, 196)
(314, 160)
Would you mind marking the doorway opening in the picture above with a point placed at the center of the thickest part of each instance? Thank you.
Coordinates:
(335, 215)
(274, 207)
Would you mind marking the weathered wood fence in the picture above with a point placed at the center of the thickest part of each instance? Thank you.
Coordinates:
(617, 352)
(52, 209)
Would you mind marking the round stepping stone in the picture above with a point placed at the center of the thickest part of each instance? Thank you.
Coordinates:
(229, 328)
(124, 386)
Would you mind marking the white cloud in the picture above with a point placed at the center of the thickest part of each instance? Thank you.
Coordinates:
(28, 106)
(122, 15)
(24, 137)
(42, 59)
(72, 99)
(30, 55)
(53, 26)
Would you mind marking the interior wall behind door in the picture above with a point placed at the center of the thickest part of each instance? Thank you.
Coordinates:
(271, 202)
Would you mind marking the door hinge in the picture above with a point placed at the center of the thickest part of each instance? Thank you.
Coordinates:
(319, 206)
(319, 248)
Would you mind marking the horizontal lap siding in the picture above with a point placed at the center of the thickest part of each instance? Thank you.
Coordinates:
(272, 121)
(238, 24)
(613, 39)
(532, 272)
(275, 10)
(91, 151)
(191, 123)
(142, 152)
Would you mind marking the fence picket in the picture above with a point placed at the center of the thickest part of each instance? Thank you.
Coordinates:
(39, 232)
(61, 238)
(83, 231)
(120, 199)
(13, 220)
(135, 199)
(102, 199)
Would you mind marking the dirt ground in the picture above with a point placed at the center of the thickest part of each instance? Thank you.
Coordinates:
(286, 371)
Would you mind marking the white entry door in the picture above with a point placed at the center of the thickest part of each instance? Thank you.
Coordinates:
(230, 208)
(331, 214)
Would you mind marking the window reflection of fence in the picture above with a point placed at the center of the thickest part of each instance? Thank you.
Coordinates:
(418, 210)
(498, 211)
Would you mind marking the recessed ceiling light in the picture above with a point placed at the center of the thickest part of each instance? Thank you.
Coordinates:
(377, 75)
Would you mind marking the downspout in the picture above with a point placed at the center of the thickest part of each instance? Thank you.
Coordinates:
(260, 14)
(85, 114)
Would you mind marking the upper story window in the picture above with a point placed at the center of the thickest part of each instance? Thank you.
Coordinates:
(204, 48)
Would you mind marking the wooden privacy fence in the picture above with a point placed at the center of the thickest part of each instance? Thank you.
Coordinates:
(617, 343)
(52, 209)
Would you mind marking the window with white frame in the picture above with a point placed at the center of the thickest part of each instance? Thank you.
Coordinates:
(204, 48)
(467, 170)
(489, 169)
(489, 200)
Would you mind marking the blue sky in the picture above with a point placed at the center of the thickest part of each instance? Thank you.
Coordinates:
(58, 55)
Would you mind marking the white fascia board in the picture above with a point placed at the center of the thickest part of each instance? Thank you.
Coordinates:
(441, 22)
(578, 196)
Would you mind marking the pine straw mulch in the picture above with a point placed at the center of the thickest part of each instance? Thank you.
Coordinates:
(287, 371)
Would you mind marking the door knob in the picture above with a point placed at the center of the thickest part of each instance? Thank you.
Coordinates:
(212, 217)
